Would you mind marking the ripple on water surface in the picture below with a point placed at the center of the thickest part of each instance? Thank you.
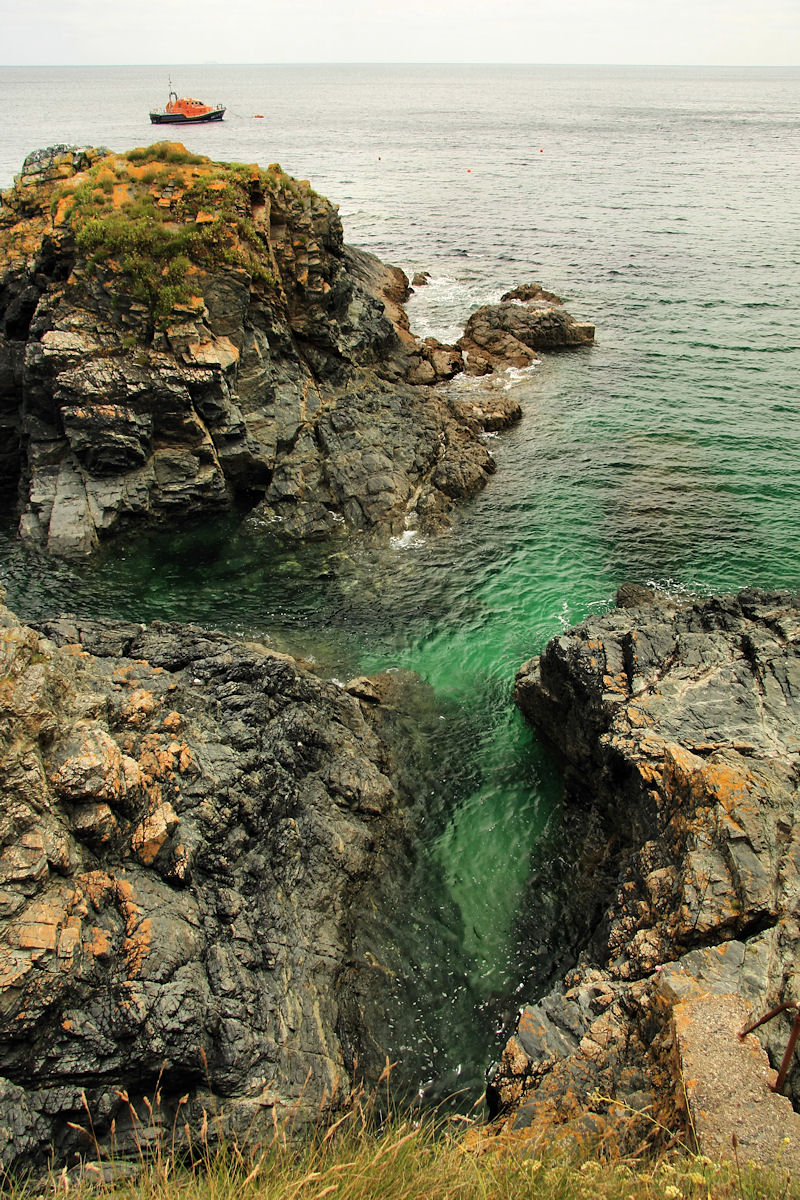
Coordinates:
(660, 203)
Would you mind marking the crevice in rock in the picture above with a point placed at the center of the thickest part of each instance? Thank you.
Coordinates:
(709, 911)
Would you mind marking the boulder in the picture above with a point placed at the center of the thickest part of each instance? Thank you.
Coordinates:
(526, 292)
(510, 334)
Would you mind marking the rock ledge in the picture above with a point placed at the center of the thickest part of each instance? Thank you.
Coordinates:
(680, 727)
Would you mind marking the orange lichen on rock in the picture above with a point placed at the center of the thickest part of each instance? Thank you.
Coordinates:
(34, 935)
(98, 771)
(138, 930)
(139, 706)
(150, 834)
(728, 785)
(120, 195)
(637, 717)
(158, 761)
(69, 939)
(98, 944)
(96, 886)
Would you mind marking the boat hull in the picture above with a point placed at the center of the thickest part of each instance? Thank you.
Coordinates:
(166, 118)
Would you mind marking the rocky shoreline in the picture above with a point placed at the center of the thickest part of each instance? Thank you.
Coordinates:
(194, 829)
(191, 825)
(679, 724)
(181, 338)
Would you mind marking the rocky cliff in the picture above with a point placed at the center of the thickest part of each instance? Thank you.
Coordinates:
(180, 338)
(189, 827)
(680, 727)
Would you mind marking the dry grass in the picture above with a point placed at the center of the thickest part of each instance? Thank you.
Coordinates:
(359, 1156)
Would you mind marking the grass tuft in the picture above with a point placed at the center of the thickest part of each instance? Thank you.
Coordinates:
(363, 1155)
(154, 213)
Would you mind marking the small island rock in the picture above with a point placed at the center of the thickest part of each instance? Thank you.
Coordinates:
(181, 338)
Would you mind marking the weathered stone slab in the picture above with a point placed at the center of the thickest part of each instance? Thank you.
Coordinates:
(726, 1084)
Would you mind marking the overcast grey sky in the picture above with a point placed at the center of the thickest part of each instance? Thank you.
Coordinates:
(723, 32)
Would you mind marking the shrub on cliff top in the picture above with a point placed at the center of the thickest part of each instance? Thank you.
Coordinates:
(168, 152)
(152, 224)
(153, 259)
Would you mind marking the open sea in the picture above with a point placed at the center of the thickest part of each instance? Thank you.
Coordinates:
(664, 205)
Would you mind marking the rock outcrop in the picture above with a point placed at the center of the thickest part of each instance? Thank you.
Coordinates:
(189, 827)
(509, 334)
(680, 728)
(180, 338)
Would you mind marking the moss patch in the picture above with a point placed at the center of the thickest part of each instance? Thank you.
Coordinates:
(155, 212)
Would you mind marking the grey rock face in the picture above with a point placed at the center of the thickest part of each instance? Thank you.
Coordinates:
(377, 459)
(510, 333)
(679, 725)
(188, 827)
(241, 397)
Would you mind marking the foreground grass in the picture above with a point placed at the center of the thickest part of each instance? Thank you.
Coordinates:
(411, 1160)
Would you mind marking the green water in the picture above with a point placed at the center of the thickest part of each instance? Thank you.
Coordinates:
(585, 497)
(663, 204)
(581, 502)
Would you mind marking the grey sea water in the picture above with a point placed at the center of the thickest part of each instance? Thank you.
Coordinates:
(664, 205)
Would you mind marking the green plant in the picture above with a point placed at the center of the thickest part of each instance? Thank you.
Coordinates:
(168, 152)
(364, 1148)
(174, 210)
(152, 257)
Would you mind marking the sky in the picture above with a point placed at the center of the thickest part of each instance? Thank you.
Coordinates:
(680, 32)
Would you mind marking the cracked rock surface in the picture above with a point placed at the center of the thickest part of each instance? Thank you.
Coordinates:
(680, 728)
(189, 825)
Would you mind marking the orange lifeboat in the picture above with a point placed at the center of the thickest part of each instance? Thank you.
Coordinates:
(185, 111)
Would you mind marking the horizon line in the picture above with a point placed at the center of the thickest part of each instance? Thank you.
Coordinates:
(403, 63)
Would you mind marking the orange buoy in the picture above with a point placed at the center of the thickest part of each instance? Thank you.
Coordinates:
(258, 116)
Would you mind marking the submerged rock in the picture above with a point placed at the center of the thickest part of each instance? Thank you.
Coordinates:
(680, 727)
(180, 337)
(190, 825)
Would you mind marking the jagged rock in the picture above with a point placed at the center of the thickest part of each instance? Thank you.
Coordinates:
(510, 334)
(679, 724)
(189, 828)
(124, 403)
(492, 410)
(527, 292)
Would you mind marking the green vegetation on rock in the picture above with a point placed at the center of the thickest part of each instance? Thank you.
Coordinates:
(157, 212)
